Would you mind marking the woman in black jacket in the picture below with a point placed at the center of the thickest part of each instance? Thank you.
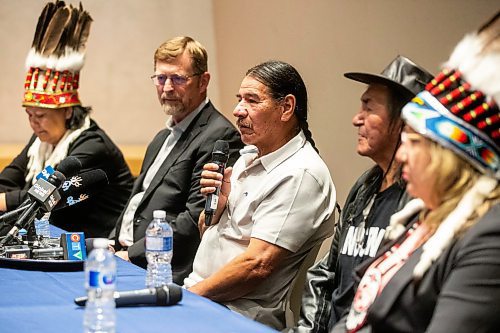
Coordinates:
(62, 126)
(97, 215)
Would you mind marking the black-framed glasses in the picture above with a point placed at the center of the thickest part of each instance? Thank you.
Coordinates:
(175, 79)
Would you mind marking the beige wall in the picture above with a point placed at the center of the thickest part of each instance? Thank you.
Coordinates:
(115, 80)
(323, 39)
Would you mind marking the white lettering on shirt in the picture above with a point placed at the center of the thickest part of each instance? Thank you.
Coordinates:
(353, 248)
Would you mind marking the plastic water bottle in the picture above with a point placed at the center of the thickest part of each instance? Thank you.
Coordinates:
(100, 278)
(42, 226)
(159, 245)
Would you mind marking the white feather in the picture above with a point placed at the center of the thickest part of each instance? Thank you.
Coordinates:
(35, 59)
(51, 62)
(477, 67)
(72, 61)
(397, 223)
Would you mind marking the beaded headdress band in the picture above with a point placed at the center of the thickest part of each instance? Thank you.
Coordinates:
(459, 107)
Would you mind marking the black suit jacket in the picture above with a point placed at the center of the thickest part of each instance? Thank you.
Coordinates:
(176, 187)
(460, 292)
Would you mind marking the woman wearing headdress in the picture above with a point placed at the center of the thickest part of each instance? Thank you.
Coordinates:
(442, 274)
(62, 126)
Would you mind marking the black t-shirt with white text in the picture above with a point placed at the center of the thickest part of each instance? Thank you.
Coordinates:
(360, 241)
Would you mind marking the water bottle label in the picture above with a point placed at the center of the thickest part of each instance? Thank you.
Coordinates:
(167, 243)
(42, 227)
(158, 243)
(103, 280)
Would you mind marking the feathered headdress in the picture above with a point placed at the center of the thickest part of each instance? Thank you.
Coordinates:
(459, 107)
(56, 56)
(459, 110)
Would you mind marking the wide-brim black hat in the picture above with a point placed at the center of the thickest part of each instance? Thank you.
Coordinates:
(402, 75)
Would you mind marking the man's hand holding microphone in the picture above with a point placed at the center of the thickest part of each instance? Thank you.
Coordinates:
(215, 185)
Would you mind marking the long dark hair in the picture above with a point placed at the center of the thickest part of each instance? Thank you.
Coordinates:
(283, 79)
(78, 117)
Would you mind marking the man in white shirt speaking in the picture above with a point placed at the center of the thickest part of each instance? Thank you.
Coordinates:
(274, 205)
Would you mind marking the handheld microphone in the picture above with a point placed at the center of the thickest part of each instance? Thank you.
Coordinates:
(220, 155)
(162, 296)
(81, 187)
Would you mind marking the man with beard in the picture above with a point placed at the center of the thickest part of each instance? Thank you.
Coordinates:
(171, 170)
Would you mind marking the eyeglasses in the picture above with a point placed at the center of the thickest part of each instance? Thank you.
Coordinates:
(175, 79)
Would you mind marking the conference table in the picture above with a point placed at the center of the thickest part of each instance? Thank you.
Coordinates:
(42, 301)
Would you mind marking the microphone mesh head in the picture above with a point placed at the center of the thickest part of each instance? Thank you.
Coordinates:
(169, 294)
(57, 178)
(175, 293)
(221, 147)
(81, 187)
(69, 166)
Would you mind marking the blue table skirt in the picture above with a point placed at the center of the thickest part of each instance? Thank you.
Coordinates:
(37, 301)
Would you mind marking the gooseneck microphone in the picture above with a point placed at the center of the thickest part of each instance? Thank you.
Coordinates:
(43, 195)
(162, 296)
(220, 155)
(69, 166)
(14, 214)
(73, 191)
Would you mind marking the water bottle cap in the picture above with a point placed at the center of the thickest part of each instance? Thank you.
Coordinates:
(101, 243)
(159, 214)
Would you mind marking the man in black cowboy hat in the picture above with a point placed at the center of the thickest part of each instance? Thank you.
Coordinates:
(375, 196)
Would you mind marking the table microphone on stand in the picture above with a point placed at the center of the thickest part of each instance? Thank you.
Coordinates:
(44, 195)
(69, 167)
